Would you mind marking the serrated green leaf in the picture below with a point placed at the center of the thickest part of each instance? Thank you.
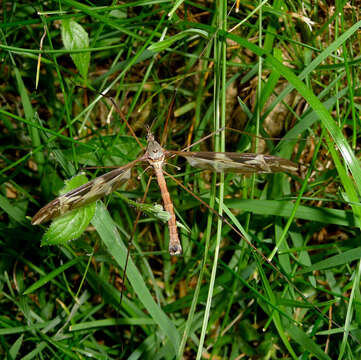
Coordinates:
(76, 38)
(71, 225)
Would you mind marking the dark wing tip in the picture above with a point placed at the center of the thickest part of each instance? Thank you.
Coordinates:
(39, 218)
(47, 213)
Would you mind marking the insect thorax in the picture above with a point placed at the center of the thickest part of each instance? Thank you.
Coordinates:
(155, 151)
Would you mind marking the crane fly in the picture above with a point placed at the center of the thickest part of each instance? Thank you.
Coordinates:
(155, 155)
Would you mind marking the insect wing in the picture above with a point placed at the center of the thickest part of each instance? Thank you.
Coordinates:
(85, 194)
(245, 163)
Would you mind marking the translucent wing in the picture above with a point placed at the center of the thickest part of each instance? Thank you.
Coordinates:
(244, 163)
(83, 195)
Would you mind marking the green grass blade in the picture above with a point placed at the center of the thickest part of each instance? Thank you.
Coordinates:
(109, 234)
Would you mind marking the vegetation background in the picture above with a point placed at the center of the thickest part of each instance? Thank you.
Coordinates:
(273, 69)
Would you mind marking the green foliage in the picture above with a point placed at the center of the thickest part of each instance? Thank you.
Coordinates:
(71, 225)
(75, 37)
(271, 271)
